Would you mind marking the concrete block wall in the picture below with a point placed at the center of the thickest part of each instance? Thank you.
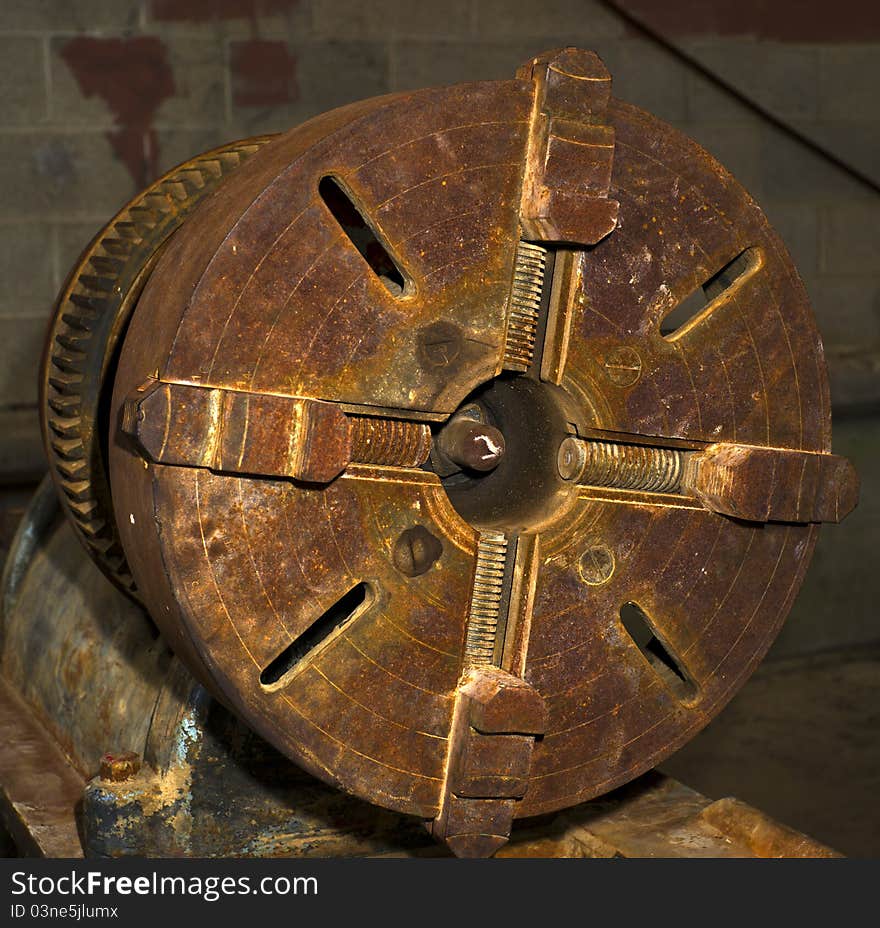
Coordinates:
(99, 96)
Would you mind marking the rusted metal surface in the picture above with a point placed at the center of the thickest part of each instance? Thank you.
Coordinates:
(39, 790)
(567, 171)
(772, 484)
(763, 836)
(207, 786)
(221, 792)
(561, 268)
(744, 481)
(495, 722)
(274, 436)
(656, 816)
(87, 660)
(211, 788)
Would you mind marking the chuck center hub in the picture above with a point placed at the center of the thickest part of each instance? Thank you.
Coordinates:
(497, 455)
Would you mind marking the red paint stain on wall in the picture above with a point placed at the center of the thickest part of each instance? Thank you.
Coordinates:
(205, 11)
(776, 20)
(263, 73)
(133, 77)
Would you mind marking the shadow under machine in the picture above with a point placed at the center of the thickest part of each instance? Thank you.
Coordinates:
(454, 458)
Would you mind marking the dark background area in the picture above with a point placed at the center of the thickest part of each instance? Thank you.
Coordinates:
(98, 97)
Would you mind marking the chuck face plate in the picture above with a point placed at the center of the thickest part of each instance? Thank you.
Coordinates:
(471, 444)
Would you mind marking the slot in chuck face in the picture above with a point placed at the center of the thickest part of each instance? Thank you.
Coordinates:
(471, 443)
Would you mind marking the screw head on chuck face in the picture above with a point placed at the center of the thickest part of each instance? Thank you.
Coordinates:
(596, 564)
(472, 444)
(416, 551)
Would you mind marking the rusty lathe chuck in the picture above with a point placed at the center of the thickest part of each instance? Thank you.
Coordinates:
(471, 444)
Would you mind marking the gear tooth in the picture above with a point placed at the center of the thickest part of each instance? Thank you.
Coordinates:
(77, 490)
(192, 179)
(70, 449)
(230, 160)
(116, 246)
(106, 266)
(212, 166)
(74, 341)
(177, 189)
(65, 406)
(89, 303)
(78, 321)
(64, 362)
(63, 425)
(144, 219)
(68, 351)
(97, 282)
(158, 201)
(127, 229)
(65, 382)
(84, 509)
(72, 470)
(93, 529)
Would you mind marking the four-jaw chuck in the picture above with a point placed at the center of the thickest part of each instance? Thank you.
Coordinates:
(471, 444)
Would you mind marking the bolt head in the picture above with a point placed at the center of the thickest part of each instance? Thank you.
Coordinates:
(571, 458)
(120, 766)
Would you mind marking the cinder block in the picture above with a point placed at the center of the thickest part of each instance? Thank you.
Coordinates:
(262, 73)
(384, 19)
(224, 19)
(76, 97)
(26, 266)
(22, 458)
(847, 310)
(782, 78)
(792, 171)
(641, 73)
(179, 144)
(198, 67)
(427, 64)
(856, 143)
(70, 239)
(322, 75)
(581, 22)
(855, 384)
(22, 81)
(139, 80)
(269, 120)
(69, 16)
(648, 76)
(798, 224)
(21, 339)
(54, 174)
(851, 237)
(849, 78)
(333, 73)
